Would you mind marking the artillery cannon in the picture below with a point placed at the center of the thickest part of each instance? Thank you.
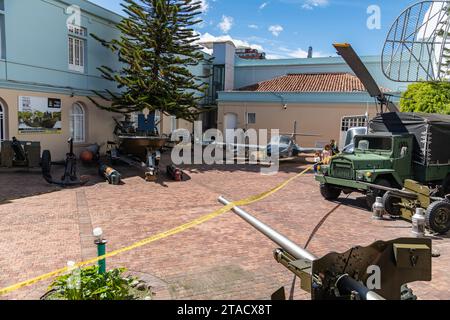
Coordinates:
(18, 154)
(404, 203)
(377, 272)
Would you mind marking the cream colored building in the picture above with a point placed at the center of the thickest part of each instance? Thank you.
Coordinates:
(324, 121)
(321, 94)
(324, 106)
(91, 124)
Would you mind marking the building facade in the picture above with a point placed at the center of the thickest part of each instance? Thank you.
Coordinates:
(314, 92)
(250, 54)
(48, 71)
(48, 68)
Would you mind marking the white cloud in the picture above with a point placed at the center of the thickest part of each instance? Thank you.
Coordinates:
(263, 5)
(311, 4)
(226, 24)
(276, 30)
(204, 6)
(207, 38)
(253, 26)
(274, 56)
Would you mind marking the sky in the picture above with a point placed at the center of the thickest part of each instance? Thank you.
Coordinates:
(286, 28)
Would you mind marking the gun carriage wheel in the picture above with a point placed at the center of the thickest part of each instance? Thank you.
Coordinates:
(438, 216)
(391, 205)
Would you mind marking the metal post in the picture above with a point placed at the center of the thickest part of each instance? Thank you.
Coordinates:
(101, 249)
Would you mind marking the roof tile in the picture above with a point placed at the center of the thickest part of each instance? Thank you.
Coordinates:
(308, 82)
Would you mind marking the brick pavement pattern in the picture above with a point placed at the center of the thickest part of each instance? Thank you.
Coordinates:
(42, 227)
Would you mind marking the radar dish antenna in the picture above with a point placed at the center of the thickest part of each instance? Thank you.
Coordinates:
(415, 48)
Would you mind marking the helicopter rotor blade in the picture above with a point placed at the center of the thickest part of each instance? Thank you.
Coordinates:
(347, 52)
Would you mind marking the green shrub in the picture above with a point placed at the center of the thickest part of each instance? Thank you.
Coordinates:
(427, 97)
(89, 284)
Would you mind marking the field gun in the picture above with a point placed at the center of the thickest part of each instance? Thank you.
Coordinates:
(380, 271)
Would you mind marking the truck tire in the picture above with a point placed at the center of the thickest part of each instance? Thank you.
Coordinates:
(329, 192)
(438, 217)
(390, 205)
(372, 195)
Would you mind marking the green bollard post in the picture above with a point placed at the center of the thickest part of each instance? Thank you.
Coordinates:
(101, 249)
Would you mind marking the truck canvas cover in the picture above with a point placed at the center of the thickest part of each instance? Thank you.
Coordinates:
(431, 132)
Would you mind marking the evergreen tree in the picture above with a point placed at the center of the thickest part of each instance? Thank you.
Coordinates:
(428, 97)
(156, 49)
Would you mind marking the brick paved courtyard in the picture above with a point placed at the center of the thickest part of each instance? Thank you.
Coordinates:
(42, 227)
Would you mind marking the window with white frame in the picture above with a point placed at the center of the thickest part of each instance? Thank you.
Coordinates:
(78, 123)
(353, 122)
(251, 118)
(77, 48)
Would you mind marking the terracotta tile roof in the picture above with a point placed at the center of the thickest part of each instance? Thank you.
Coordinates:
(318, 82)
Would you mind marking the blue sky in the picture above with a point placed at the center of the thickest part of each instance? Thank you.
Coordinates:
(286, 28)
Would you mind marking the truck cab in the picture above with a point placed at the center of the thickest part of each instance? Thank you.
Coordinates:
(384, 159)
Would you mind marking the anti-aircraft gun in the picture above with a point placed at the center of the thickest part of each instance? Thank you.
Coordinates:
(380, 271)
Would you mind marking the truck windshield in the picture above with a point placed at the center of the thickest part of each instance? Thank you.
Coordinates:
(373, 143)
(352, 133)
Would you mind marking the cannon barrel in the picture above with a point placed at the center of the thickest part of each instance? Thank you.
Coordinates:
(344, 283)
(287, 245)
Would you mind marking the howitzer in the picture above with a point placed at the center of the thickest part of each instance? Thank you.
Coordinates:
(377, 272)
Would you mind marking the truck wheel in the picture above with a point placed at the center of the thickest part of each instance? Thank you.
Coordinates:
(390, 203)
(438, 217)
(329, 192)
(372, 195)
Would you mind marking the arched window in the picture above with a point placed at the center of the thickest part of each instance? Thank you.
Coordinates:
(77, 123)
(2, 124)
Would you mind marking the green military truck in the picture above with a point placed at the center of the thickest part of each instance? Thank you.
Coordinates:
(399, 147)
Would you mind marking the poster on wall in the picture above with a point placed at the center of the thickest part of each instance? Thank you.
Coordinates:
(39, 115)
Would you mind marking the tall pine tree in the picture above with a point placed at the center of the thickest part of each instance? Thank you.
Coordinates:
(156, 49)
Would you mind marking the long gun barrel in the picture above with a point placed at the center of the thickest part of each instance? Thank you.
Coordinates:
(291, 251)
(287, 245)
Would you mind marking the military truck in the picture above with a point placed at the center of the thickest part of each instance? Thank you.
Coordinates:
(398, 147)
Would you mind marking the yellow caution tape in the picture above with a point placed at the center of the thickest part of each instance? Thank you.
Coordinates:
(157, 237)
